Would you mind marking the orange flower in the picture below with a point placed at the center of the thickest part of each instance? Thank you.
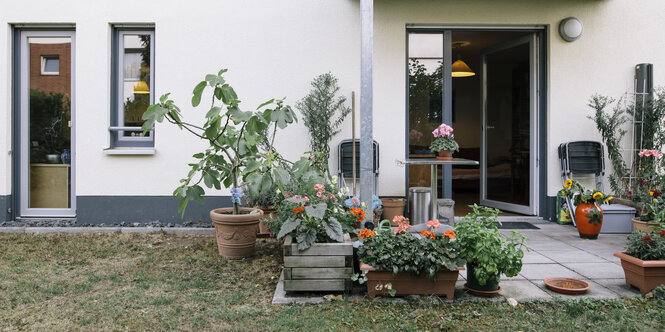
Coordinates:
(359, 213)
(428, 234)
(298, 209)
(365, 233)
(449, 234)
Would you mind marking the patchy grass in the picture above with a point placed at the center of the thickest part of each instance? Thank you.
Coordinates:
(167, 282)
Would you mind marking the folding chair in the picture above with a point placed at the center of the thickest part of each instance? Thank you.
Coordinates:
(581, 157)
(345, 162)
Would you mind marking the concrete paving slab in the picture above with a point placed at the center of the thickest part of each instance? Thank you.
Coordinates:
(71, 230)
(281, 297)
(596, 270)
(618, 286)
(548, 245)
(542, 271)
(534, 257)
(12, 229)
(595, 291)
(522, 290)
(576, 256)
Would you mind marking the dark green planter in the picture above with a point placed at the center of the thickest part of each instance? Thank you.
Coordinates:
(472, 282)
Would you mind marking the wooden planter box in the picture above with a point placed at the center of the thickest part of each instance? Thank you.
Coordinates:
(643, 275)
(322, 267)
(405, 283)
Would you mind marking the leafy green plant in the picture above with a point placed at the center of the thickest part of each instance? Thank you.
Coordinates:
(480, 243)
(444, 139)
(233, 136)
(646, 246)
(407, 252)
(323, 112)
(311, 210)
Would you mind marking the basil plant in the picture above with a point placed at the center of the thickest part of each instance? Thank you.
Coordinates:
(234, 136)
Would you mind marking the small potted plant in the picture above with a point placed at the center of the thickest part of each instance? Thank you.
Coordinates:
(232, 156)
(643, 261)
(406, 263)
(588, 214)
(444, 143)
(266, 201)
(488, 253)
(648, 193)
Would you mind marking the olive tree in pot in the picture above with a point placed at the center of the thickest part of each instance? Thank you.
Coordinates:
(487, 252)
(231, 157)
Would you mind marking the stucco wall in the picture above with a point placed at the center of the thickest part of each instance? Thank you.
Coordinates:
(274, 49)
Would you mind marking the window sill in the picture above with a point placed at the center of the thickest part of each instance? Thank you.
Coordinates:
(129, 151)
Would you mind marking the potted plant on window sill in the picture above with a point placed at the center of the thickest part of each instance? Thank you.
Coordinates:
(231, 157)
(588, 214)
(444, 143)
(405, 263)
(488, 253)
(643, 261)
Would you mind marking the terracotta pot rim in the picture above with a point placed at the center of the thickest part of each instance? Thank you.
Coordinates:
(634, 260)
(223, 216)
(483, 293)
(654, 223)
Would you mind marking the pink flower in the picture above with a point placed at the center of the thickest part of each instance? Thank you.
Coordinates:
(434, 223)
(319, 187)
(287, 194)
(653, 153)
(402, 228)
(443, 130)
(320, 194)
(355, 201)
(415, 135)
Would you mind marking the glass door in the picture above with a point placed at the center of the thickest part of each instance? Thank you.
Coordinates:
(46, 136)
(509, 111)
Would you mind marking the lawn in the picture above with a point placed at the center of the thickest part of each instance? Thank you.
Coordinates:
(171, 282)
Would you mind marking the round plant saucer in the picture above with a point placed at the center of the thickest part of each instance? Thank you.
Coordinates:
(482, 293)
(567, 285)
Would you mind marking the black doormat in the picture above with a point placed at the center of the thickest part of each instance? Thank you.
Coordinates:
(516, 225)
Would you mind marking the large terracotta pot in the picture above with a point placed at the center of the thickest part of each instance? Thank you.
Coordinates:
(643, 275)
(405, 283)
(585, 227)
(644, 226)
(444, 155)
(268, 212)
(392, 207)
(236, 233)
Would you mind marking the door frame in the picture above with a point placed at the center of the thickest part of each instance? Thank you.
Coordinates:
(20, 71)
(532, 208)
(542, 31)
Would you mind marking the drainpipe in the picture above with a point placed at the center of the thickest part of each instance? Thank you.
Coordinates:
(366, 100)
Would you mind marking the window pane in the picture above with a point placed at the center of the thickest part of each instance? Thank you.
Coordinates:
(136, 81)
(51, 64)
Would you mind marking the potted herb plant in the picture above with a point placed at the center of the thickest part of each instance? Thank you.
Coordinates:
(444, 143)
(231, 157)
(588, 214)
(643, 261)
(648, 193)
(406, 263)
(487, 252)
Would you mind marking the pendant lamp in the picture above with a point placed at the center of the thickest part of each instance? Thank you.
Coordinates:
(461, 69)
(141, 88)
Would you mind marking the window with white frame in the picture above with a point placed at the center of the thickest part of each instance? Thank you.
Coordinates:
(50, 65)
(133, 86)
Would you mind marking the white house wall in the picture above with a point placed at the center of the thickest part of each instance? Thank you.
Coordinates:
(275, 48)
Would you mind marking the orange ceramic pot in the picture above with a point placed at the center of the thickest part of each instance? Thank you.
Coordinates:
(444, 155)
(585, 226)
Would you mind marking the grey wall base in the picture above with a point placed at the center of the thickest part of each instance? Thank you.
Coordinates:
(5, 204)
(116, 209)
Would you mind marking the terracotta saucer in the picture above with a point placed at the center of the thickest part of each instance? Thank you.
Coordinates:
(482, 293)
(567, 285)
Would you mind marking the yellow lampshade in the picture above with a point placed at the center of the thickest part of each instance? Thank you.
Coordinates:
(460, 69)
(141, 88)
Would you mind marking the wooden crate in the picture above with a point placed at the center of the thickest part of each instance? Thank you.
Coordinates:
(322, 267)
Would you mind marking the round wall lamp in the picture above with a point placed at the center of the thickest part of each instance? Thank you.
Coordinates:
(571, 29)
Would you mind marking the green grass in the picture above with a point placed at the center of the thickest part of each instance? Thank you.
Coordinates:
(162, 282)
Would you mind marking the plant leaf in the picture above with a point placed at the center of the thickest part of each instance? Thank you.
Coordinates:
(198, 91)
(288, 226)
(306, 239)
(317, 211)
(334, 229)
